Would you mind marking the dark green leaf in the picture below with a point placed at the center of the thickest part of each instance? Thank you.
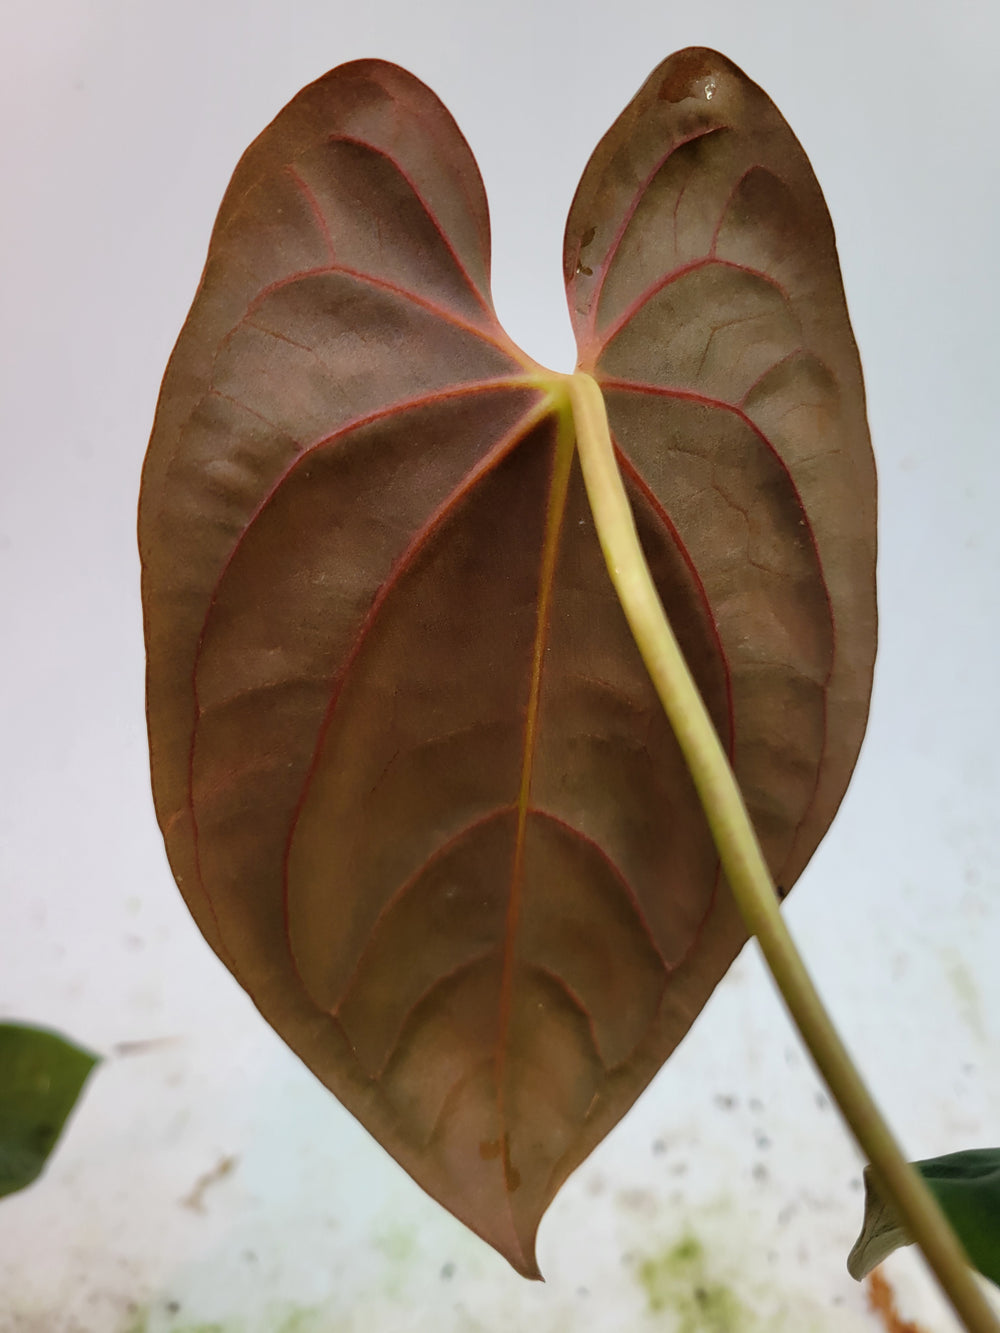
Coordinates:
(966, 1185)
(41, 1077)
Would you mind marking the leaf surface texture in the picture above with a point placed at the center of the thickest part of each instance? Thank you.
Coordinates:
(414, 782)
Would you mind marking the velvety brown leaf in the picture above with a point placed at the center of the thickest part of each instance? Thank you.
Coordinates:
(414, 782)
(706, 296)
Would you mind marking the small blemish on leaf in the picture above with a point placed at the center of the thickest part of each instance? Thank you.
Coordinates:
(490, 1149)
(587, 237)
(511, 1174)
(690, 76)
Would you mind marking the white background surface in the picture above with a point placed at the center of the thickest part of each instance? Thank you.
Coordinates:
(121, 123)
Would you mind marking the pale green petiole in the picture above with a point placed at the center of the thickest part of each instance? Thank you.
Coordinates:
(743, 862)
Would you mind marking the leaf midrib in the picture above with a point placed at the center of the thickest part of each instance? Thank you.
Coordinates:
(565, 448)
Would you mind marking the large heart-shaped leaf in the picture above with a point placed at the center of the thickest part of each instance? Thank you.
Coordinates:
(414, 782)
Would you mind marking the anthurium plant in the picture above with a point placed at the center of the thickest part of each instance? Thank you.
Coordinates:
(455, 806)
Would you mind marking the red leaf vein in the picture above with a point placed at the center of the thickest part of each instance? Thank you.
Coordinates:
(627, 215)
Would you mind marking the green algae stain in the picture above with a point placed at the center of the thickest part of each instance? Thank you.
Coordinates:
(304, 1321)
(281, 1319)
(291, 1320)
(966, 992)
(397, 1243)
(399, 1246)
(679, 1281)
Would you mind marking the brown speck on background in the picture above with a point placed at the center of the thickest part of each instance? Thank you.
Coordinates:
(882, 1302)
(196, 1199)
